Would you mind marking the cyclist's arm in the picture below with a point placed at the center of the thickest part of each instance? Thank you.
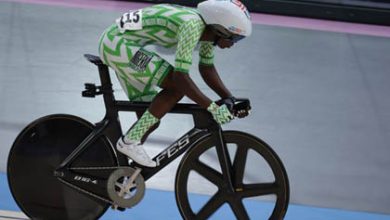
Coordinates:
(208, 70)
(184, 83)
(188, 37)
(211, 77)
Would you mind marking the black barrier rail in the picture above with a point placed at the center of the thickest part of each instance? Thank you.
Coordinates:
(360, 11)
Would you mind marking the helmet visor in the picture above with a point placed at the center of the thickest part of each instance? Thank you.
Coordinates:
(226, 34)
(235, 38)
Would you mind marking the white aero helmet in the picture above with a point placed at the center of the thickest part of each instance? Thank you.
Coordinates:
(229, 17)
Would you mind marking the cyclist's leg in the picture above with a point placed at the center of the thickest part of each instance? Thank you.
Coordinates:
(117, 53)
(138, 82)
(161, 104)
(158, 68)
(153, 128)
(139, 72)
(165, 101)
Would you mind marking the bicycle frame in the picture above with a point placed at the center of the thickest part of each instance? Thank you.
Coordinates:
(98, 176)
(111, 128)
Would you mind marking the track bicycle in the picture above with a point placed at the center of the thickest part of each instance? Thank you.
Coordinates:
(63, 167)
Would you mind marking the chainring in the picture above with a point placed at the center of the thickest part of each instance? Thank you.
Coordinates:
(124, 192)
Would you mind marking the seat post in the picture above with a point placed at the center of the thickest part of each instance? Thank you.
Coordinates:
(113, 130)
(108, 92)
(104, 75)
(106, 85)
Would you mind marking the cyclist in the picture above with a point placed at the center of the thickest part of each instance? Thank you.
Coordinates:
(141, 72)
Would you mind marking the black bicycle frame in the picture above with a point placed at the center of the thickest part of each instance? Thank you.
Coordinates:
(111, 128)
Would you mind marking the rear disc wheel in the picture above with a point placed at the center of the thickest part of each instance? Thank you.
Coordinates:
(37, 151)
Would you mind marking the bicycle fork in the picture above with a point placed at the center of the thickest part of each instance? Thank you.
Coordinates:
(224, 159)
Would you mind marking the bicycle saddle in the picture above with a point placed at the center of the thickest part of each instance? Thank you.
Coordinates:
(94, 59)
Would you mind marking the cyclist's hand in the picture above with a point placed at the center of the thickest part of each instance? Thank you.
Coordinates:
(242, 113)
(242, 109)
(239, 109)
(229, 102)
(221, 114)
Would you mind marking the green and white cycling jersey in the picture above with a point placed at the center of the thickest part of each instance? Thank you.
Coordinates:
(121, 45)
(168, 26)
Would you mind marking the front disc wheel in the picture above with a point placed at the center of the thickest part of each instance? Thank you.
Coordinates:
(260, 182)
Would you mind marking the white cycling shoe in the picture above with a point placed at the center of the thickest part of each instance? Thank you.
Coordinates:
(136, 152)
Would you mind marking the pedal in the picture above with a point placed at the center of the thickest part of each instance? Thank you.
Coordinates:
(121, 209)
(116, 207)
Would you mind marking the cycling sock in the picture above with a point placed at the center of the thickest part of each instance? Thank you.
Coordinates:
(141, 127)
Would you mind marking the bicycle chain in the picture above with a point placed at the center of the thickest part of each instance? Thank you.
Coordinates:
(96, 168)
(85, 191)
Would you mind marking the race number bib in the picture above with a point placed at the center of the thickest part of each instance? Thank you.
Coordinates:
(130, 21)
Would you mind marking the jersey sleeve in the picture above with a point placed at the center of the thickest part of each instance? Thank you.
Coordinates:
(188, 37)
(206, 53)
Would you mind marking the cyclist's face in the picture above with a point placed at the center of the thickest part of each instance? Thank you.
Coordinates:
(224, 43)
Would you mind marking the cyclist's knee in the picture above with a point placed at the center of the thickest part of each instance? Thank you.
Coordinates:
(177, 94)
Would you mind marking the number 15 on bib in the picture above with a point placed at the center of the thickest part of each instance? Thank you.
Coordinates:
(130, 21)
